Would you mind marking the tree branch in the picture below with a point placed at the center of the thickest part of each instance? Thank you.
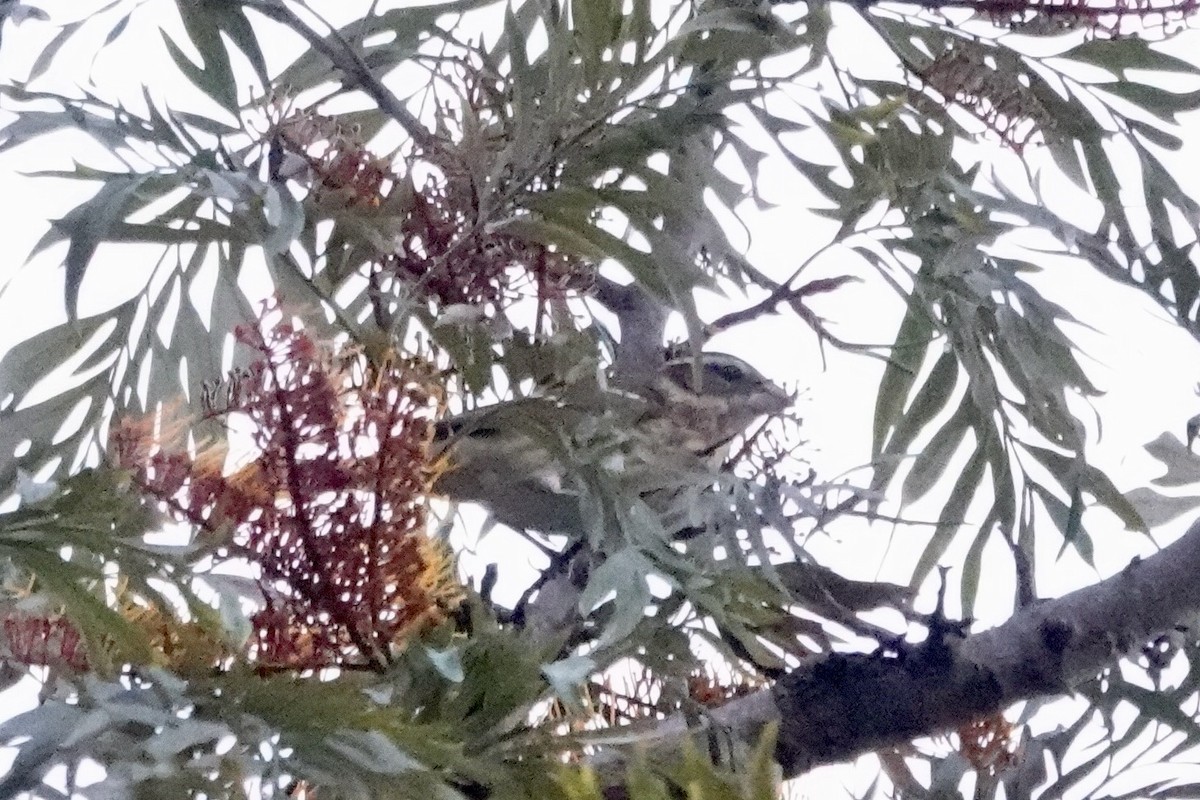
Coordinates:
(346, 58)
(640, 352)
(1002, 8)
(839, 706)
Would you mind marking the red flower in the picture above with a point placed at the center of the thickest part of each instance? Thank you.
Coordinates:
(331, 510)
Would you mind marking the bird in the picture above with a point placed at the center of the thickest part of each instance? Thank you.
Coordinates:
(544, 463)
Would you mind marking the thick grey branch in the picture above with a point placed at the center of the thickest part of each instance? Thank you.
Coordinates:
(642, 321)
(836, 707)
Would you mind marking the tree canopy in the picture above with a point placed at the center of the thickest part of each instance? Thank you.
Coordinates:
(321, 249)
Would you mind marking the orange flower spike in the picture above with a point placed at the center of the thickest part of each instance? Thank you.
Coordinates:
(333, 510)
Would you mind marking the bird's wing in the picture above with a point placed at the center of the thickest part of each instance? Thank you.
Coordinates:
(523, 460)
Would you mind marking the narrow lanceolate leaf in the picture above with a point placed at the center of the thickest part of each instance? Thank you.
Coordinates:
(1158, 509)
(215, 76)
(1075, 473)
(1162, 103)
(28, 362)
(972, 566)
(621, 582)
(87, 226)
(929, 401)
(45, 729)
(1068, 520)
(953, 517)
(930, 463)
(1120, 55)
(904, 363)
(51, 48)
(284, 217)
(230, 19)
(32, 435)
(1160, 706)
(596, 24)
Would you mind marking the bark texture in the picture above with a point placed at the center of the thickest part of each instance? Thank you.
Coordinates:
(839, 706)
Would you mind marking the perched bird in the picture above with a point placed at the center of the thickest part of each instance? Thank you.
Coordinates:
(700, 407)
(538, 463)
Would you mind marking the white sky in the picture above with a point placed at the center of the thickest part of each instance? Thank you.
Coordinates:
(1146, 366)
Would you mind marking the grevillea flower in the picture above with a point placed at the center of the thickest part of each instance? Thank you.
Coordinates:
(45, 640)
(1141, 18)
(330, 510)
(429, 234)
(999, 97)
(990, 744)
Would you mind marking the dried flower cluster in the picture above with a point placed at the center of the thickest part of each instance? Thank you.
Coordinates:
(187, 648)
(331, 512)
(620, 696)
(52, 640)
(988, 743)
(440, 246)
(44, 640)
(996, 96)
(1117, 18)
(347, 173)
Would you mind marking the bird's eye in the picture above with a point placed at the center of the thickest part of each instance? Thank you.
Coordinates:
(730, 373)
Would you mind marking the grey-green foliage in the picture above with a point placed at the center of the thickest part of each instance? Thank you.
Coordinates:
(563, 131)
(984, 324)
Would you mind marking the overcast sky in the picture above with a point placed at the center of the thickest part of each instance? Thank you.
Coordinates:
(1148, 368)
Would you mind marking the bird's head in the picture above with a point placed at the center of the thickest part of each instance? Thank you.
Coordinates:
(712, 399)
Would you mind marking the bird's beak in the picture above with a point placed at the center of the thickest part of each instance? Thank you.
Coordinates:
(773, 401)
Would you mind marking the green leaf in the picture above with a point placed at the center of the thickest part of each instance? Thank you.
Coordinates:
(285, 218)
(1119, 55)
(45, 729)
(620, 581)
(1162, 103)
(230, 19)
(907, 355)
(953, 516)
(930, 464)
(87, 226)
(1100, 485)
(929, 401)
(596, 22)
(215, 78)
(407, 27)
(51, 48)
(560, 234)
(568, 676)
(371, 750)
(503, 676)
(1164, 139)
(1158, 509)
(448, 663)
(1065, 157)
(1160, 706)
(973, 566)
(1068, 520)
(1182, 466)
(29, 361)
(1072, 473)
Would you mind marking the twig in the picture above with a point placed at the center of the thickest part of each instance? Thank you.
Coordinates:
(344, 57)
(559, 563)
(642, 321)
